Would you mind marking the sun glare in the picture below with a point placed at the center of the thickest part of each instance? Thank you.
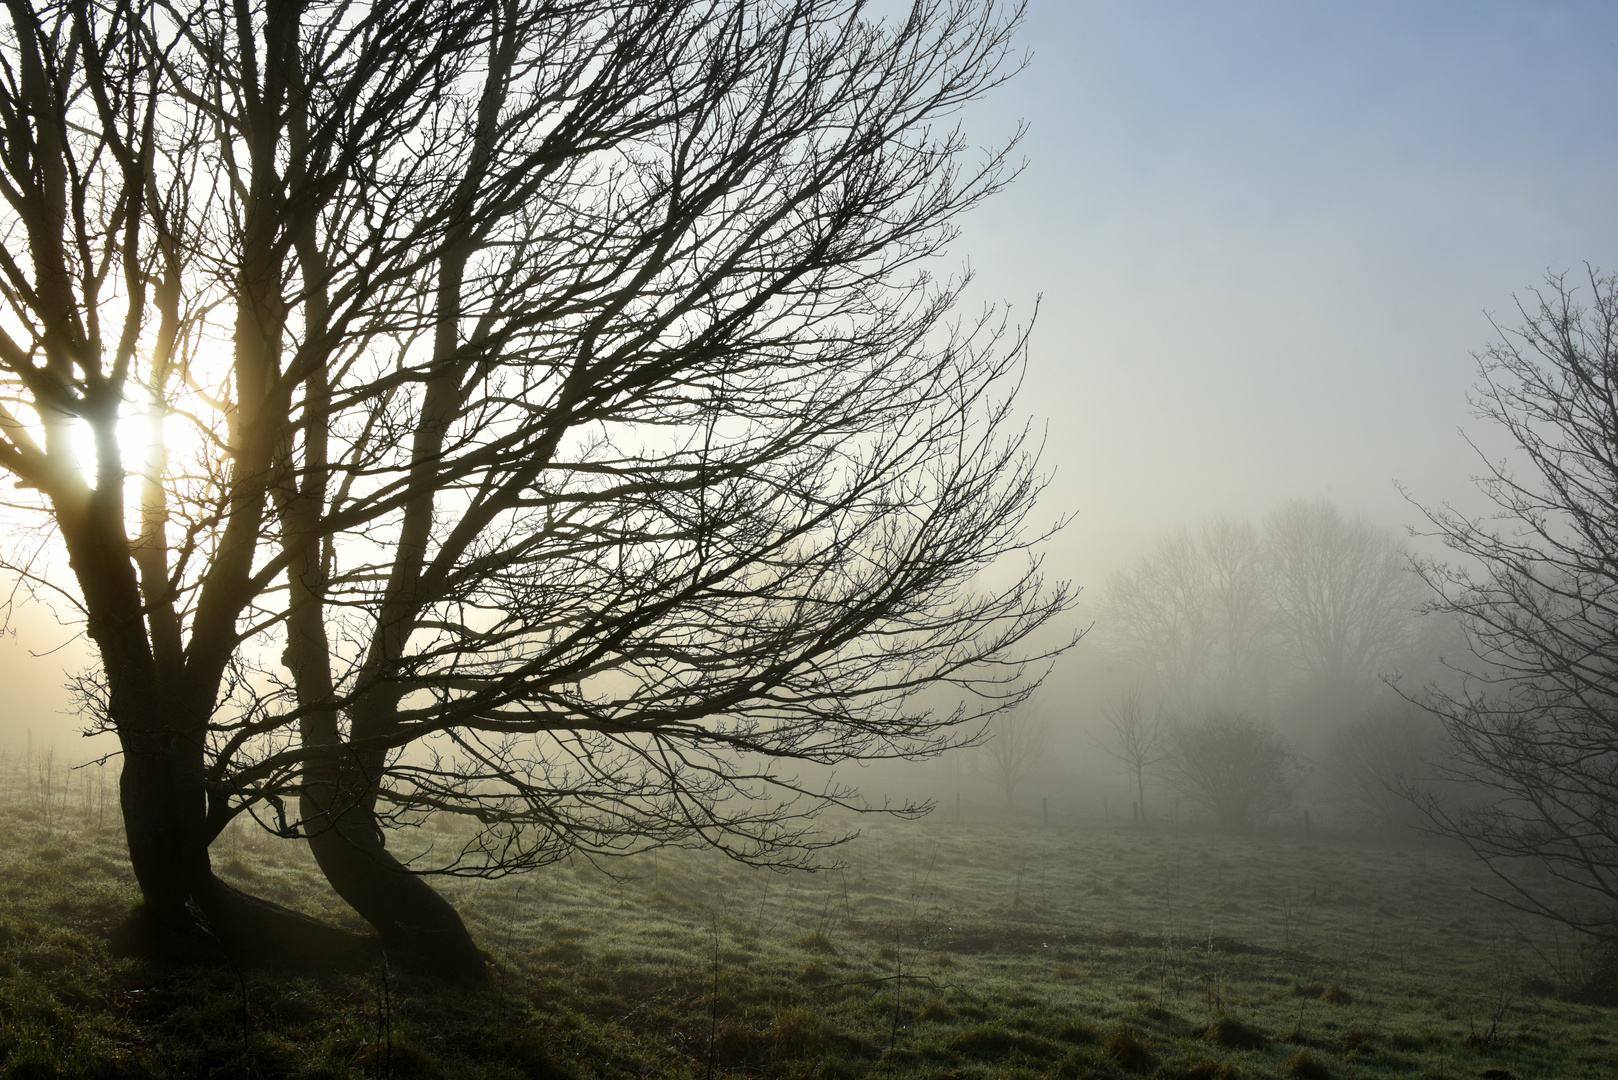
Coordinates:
(136, 443)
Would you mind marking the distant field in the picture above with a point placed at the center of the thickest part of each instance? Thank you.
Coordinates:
(939, 951)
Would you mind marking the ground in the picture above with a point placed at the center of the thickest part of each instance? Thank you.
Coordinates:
(1009, 949)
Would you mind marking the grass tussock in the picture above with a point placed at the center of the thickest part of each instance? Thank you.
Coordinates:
(1229, 1032)
(1202, 1070)
(1331, 993)
(1305, 1065)
(993, 1042)
(1125, 1047)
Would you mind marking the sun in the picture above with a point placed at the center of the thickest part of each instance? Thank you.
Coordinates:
(141, 442)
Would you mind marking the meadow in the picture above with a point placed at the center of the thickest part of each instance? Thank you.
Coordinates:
(1005, 948)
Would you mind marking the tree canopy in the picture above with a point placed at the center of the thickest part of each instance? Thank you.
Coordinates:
(544, 412)
(1309, 611)
(1533, 725)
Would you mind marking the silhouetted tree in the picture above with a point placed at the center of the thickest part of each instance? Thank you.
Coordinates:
(1533, 728)
(1345, 597)
(1136, 739)
(1236, 767)
(540, 413)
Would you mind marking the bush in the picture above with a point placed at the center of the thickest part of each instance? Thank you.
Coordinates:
(1305, 1065)
(1372, 762)
(1595, 979)
(1234, 766)
(1125, 1049)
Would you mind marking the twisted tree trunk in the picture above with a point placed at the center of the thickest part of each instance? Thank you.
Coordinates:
(421, 930)
(188, 912)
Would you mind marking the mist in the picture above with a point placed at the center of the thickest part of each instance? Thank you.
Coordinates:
(809, 540)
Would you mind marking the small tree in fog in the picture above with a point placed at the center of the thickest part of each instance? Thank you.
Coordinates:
(1533, 730)
(1234, 766)
(1376, 759)
(1136, 738)
(1014, 751)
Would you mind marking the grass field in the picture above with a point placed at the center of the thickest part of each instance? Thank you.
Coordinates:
(940, 950)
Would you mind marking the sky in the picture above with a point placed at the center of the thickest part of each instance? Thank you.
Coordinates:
(1267, 239)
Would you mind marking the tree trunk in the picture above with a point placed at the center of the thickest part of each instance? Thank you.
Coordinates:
(161, 720)
(188, 913)
(421, 930)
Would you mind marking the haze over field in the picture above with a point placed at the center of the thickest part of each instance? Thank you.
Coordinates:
(1267, 239)
(595, 570)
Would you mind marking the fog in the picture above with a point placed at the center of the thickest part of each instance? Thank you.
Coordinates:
(642, 459)
(1264, 242)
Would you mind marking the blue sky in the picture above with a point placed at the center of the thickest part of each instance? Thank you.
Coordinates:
(1268, 237)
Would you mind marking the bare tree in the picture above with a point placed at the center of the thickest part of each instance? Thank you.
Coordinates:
(1237, 768)
(1014, 751)
(1156, 614)
(1345, 598)
(540, 413)
(1302, 619)
(1235, 560)
(1533, 728)
(1194, 616)
(1376, 760)
(1137, 739)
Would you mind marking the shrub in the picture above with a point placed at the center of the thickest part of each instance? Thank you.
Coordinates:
(1373, 760)
(1125, 1049)
(1595, 979)
(1305, 1065)
(1236, 767)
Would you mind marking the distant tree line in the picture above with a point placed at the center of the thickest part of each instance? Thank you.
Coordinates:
(1510, 743)
(1243, 642)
